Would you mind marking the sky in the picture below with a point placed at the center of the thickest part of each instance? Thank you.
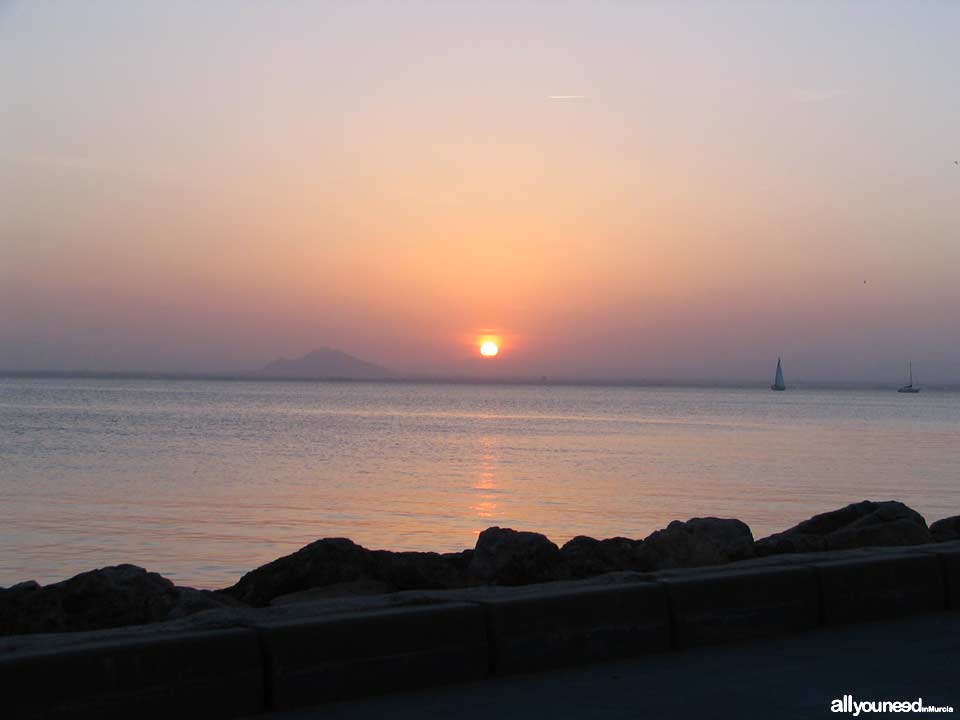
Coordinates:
(208, 186)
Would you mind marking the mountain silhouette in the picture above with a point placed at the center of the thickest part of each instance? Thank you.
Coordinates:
(325, 363)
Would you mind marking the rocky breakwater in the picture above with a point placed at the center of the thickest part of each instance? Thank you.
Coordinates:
(863, 524)
(694, 543)
(109, 597)
(338, 567)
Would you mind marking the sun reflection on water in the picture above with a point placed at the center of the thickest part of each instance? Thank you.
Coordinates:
(486, 483)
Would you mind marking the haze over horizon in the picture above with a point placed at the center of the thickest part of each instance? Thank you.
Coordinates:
(612, 190)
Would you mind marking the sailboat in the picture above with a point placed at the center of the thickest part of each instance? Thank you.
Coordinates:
(910, 387)
(778, 380)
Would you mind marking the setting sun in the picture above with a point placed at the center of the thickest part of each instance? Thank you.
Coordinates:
(489, 349)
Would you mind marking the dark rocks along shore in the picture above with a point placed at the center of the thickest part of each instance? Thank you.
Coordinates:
(332, 567)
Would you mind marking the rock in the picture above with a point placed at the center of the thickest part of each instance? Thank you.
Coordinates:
(508, 557)
(23, 586)
(343, 565)
(417, 570)
(585, 557)
(863, 524)
(946, 529)
(460, 560)
(105, 598)
(324, 562)
(189, 601)
(694, 543)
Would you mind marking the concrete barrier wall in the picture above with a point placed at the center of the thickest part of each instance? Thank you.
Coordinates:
(950, 561)
(374, 652)
(885, 587)
(465, 635)
(214, 674)
(951, 573)
(724, 607)
(550, 629)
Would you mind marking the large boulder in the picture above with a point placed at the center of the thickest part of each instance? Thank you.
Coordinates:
(507, 557)
(109, 597)
(585, 556)
(329, 561)
(863, 524)
(946, 529)
(344, 568)
(694, 543)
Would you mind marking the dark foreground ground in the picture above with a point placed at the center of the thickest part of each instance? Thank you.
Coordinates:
(788, 677)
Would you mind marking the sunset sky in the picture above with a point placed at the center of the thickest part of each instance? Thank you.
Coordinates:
(208, 186)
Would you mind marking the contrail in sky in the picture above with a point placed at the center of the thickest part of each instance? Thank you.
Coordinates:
(566, 97)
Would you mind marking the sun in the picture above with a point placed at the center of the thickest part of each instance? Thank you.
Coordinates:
(489, 349)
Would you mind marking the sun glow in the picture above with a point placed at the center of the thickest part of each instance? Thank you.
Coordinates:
(489, 349)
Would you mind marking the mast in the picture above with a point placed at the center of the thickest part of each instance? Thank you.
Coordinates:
(910, 387)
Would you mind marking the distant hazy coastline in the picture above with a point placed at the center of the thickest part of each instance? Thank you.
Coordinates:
(452, 380)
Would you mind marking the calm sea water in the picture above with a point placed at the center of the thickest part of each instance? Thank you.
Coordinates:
(202, 481)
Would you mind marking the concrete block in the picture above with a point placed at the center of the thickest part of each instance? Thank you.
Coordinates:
(881, 587)
(950, 560)
(732, 606)
(209, 674)
(340, 656)
(949, 555)
(550, 629)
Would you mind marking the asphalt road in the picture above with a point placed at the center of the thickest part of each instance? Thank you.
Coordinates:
(791, 677)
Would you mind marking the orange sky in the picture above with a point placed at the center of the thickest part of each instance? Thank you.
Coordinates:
(187, 188)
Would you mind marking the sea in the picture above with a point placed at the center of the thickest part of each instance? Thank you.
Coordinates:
(203, 480)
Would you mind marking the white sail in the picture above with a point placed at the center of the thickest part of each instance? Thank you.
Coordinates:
(778, 383)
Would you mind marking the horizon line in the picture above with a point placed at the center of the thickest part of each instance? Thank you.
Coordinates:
(585, 381)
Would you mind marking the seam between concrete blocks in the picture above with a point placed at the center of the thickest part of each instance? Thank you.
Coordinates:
(672, 640)
(266, 670)
(490, 632)
(945, 574)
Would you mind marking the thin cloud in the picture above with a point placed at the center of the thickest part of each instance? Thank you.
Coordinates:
(63, 162)
(815, 95)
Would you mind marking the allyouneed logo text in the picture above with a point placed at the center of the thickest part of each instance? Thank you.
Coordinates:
(847, 704)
